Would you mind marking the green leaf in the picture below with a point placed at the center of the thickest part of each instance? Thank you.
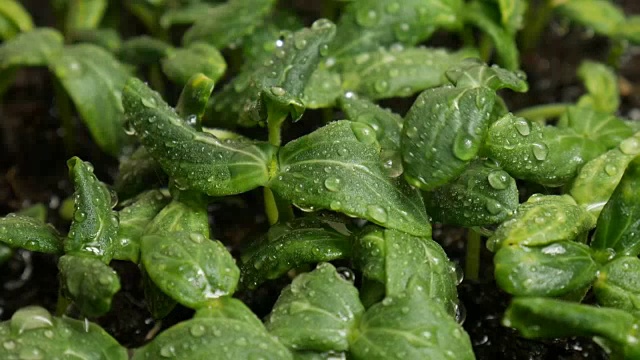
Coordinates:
(182, 214)
(134, 218)
(598, 178)
(386, 124)
(84, 14)
(290, 245)
(618, 286)
(226, 24)
(229, 308)
(137, 172)
(189, 267)
(89, 283)
(545, 155)
(316, 312)
(33, 333)
(618, 226)
(482, 195)
(199, 338)
(394, 258)
(142, 50)
(322, 90)
(37, 211)
(14, 19)
(512, 13)
(547, 318)
(94, 80)
(473, 73)
(602, 85)
(94, 225)
(443, 132)
(158, 303)
(108, 39)
(542, 220)
(366, 26)
(197, 160)
(397, 72)
(547, 270)
(603, 128)
(262, 43)
(185, 15)
(411, 324)
(479, 15)
(275, 87)
(630, 29)
(193, 99)
(600, 15)
(34, 48)
(181, 64)
(313, 355)
(28, 233)
(353, 180)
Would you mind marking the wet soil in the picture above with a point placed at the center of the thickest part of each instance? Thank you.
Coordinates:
(33, 170)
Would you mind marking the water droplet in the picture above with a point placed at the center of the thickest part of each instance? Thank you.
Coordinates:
(463, 147)
(168, 351)
(493, 207)
(392, 163)
(278, 91)
(335, 205)
(630, 146)
(381, 86)
(377, 213)
(363, 132)
(104, 280)
(149, 102)
(411, 132)
(324, 50)
(9, 345)
(196, 237)
(129, 129)
(300, 42)
(79, 216)
(29, 318)
(460, 313)
(197, 330)
(322, 24)
(333, 184)
(498, 179)
(48, 334)
(540, 151)
(346, 274)
(367, 17)
(610, 169)
(403, 32)
(522, 126)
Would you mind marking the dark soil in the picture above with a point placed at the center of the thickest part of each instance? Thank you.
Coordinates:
(33, 170)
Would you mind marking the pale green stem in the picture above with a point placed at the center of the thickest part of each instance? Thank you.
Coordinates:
(472, 260)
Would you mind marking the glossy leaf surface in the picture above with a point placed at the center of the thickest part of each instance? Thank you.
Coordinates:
(316, 312)
(28, 233)
(397, 72)
(386, 124)
(443, 132)
(290, 245)
(134, 219)
(602, 84)
(94, 225)
(547, 318)
(323, 89)
(193, 99)
(473, 73)
(276, 86)
(542, 220)
(618, 226)
(94, 79)
(353, 180)
(186, 212)
(618, 286)
(34, 48)
(13, 19)
(89, 283)
(84, 14)
(512, 13)
(482, 195)
(197, 160)
(200, 337)
(548, 156)
(600, 15)
(598, 178)
(136, 173)
(189, 267)
(226, 307)
(410, 323)
(603, 128)
(226, 24)
(366, 26)
(33, 333)
(548, 270)
(181, 64)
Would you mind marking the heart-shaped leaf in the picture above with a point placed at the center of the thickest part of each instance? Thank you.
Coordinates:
(602, 84)
(603, 128)
(181, 64)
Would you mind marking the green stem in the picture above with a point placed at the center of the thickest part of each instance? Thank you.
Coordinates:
(274, 123)
(65, 112)
(472, 259)
(538, 19)
(277, 209)
(485, 47)
(548, 111)
(618, 48)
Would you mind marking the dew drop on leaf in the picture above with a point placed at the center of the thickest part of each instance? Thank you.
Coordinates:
(540, 151)
(333, 184)
(363, 132)
(381, 86)
(149, 102)
(611, 169)
(277, 91)
(30, 318)
(196, 237)
(493, 207)
(367, 17)
(167, 351)
(377, 213)
(346, 274)
(630, 146)
(79, 216)
(498, 179)
(522, 126)
(197, 330)
(463, 148)
(9, 345)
